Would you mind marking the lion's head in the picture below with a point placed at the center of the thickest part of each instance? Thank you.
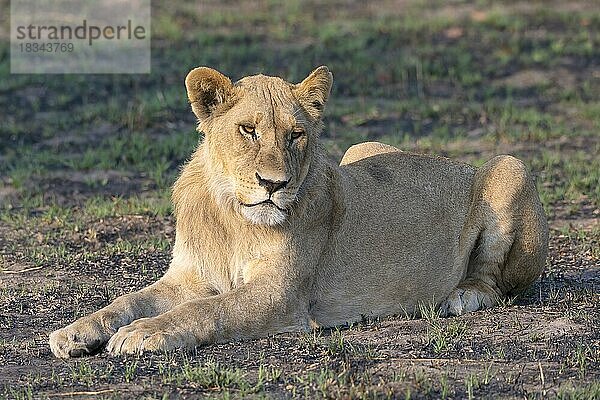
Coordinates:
(260, 138)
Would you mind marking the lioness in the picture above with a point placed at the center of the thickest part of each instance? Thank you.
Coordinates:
(273, 237)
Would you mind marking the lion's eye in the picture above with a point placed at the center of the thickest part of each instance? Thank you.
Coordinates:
(297, 133)
(248, 130)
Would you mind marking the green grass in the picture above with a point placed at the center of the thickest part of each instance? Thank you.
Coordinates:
(102, 207)
(585, 392)
(388, 69)
(215, 376)
(442, 333)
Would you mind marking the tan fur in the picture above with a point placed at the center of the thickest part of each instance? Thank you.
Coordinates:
(380, 234)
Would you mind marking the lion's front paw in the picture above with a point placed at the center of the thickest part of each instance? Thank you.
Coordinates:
(78, 339)
(145, 334)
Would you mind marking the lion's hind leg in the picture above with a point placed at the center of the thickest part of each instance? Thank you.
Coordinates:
(509, 236)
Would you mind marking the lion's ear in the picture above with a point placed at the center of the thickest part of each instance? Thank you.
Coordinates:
(207, 89)
(313, 91)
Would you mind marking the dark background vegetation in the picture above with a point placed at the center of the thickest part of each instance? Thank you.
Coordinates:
(87, 161)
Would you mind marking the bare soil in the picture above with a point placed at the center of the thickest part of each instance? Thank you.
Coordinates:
(542, 344)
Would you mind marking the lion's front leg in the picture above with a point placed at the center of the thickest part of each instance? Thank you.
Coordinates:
(82, 337)
(89, 333)
(247, 312)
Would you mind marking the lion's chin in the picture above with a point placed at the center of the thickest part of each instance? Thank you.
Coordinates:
(264, 214)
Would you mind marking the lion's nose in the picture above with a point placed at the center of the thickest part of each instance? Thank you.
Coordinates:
(269, 185)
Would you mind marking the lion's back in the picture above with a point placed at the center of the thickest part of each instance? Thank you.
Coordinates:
(373, 167)
(366, 149)
(405, 194)
(402, 222)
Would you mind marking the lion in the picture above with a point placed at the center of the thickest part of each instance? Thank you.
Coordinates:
(271, 236)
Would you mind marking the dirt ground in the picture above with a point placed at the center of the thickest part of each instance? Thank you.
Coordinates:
(545, 343)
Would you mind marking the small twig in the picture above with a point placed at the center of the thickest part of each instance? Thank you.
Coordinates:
(446, 360)
(7, 271)
(81, 393)
(542, 378)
